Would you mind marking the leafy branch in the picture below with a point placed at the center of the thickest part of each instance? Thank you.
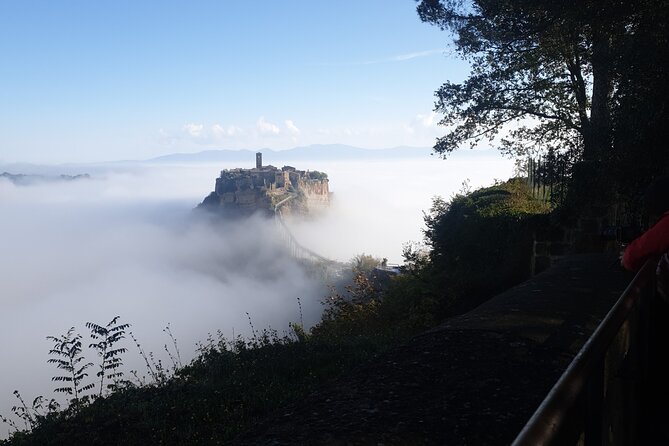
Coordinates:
(107, 337)
(67, 356)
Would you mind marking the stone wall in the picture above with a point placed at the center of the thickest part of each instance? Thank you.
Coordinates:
(551, 243)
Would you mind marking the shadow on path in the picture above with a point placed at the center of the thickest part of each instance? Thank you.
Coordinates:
(476, 379)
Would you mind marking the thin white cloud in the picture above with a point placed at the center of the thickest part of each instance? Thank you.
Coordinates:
(292, 128)
(218, 131)
(201, 134)
(267, 128)
(423, 122)
(415, 129)
(194, 130)
(424, 126)
(165, 138)
(427, 119)
(414, 55)
(396, 58)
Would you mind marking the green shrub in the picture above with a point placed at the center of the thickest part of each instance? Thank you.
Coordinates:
(226, 389)
(316, 175)
(481, 242)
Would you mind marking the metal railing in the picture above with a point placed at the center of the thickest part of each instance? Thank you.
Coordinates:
(597, 400)
(547, 178)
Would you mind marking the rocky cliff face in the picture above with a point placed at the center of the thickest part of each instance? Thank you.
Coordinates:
(317, 193)
(265, 189)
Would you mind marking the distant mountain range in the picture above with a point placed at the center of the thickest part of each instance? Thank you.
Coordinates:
(315, 152)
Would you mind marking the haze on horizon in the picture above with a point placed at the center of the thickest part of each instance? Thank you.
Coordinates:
(93, 82)
(102, 81)
(125, 243)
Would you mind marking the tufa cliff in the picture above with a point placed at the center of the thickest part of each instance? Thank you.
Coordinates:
(268, 189)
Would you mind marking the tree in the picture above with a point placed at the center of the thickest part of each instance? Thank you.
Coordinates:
(481, 242)
(640, 113)
(553, 68)
(364, 263)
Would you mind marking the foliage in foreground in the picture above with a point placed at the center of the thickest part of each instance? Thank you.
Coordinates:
(583, 80)
(476, 250)
(481, 244)
(572, 68)
(226, 389)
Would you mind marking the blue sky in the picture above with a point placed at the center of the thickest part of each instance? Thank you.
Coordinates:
(85, 81)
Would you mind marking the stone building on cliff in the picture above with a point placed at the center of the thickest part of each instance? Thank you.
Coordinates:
(268, 189)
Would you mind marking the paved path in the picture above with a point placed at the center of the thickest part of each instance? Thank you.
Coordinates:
(473, 380)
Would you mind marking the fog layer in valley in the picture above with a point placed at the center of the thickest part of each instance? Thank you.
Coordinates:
(125, 243)
(378, 206)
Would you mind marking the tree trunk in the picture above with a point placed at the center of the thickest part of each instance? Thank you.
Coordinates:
(598, 142)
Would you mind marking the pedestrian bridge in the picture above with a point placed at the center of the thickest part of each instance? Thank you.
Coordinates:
(331, 269)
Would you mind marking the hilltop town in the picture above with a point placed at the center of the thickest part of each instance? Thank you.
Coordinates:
(268, 189)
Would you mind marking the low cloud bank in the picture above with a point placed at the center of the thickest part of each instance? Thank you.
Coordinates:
(378, 206)
(125, 243)
(73, 253)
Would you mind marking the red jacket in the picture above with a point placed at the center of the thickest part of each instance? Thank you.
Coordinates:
(653, 242)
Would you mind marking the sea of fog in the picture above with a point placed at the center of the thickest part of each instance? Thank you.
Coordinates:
(125, 243)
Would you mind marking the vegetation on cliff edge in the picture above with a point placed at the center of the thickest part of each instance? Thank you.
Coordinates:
(232, 384)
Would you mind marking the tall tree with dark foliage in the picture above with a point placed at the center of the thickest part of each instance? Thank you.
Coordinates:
(570, 75)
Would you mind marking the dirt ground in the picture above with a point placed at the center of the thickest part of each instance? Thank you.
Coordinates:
(474, 380)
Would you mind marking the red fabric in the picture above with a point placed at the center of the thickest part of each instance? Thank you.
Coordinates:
(653, 242)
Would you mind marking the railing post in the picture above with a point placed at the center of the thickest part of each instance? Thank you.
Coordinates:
(595, 405)
(600, 389)
(651, 352)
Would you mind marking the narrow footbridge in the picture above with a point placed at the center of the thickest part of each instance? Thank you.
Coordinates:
(573, 356)
(331, 268)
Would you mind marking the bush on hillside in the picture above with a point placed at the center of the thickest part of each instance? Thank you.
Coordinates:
(481, 242)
